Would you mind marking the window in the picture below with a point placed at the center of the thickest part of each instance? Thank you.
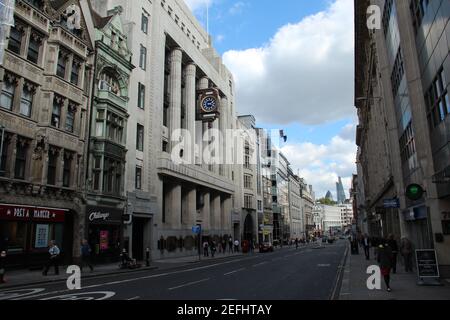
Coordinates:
(437, 100)
(165, 146)
(68, 158)
(34, 47)
(26, 101)
(114, 127)
(141, 96)
(259, 205)
(21, 159)
(143, 58)
(15, 39)
(140, 138)
(4, 155)
(56, 113)
(74, 75)
(8, 89)
(52, 165)
(418, 10)
(247, 181)
(144, 23)
(138, 178)
(61, 67)
(70, 118)
(97, 172)
(248, 201)
(398, 72)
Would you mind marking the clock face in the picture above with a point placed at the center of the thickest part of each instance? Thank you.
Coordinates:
(209, 104)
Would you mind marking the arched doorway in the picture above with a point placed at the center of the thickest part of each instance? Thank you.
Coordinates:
(248, 228)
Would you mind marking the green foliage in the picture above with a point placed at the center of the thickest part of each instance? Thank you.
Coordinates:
(327, 202)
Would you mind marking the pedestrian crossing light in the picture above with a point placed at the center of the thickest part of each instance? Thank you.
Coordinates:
(414, 192)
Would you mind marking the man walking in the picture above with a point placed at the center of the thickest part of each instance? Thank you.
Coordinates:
(394, 247)
(53, 260)
(205, 249)
(296, 243)
(230, 245)
(2, 266)
(86, 255)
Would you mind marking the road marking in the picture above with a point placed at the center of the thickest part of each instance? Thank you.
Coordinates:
(189, 284)
(324, 265)
(259, 264)
(135, 298)
(233, 272)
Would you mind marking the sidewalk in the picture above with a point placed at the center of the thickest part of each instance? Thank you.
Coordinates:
(404, 285)
(17, 278)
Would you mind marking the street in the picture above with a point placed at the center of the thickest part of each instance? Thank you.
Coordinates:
(309, 273)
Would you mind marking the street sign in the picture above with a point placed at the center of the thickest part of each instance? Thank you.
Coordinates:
(414, 192)
(196, 229)
(392, 203)
(427, 265)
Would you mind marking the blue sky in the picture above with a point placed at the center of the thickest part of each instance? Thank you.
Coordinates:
(293, 65)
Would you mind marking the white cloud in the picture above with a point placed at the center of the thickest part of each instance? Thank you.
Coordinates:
(321, 165)
(196, 5)
(304, 74)
(237, 8)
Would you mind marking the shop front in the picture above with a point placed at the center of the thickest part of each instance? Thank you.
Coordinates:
(105, 233)
(25, 232)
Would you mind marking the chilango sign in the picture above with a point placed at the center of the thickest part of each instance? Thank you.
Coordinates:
(30, 213)
(103, 215)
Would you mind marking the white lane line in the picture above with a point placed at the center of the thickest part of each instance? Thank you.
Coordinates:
(189, 284)
(259, 264)
(135, 298)
(233, 272)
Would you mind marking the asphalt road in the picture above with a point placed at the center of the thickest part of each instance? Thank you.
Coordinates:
(286, 274)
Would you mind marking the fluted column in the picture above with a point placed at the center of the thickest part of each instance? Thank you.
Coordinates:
(190, 72)
(203, 84)
(175, 94)
(223, 126)
(216, 213)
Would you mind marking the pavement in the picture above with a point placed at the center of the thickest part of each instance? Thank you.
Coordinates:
(404, 285)
(286, 274)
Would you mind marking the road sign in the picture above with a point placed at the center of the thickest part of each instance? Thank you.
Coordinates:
(196, 229)
(392, 203)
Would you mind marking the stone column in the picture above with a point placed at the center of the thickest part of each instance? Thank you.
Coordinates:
(175, 207)
(223, 126)
(203, 84)
(190, 111)
(191, 207)
(60, 168)
(227, 207)
(206, 213)
(216, 213)
(175, 94)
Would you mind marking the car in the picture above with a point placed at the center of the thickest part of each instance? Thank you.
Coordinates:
(266, 247)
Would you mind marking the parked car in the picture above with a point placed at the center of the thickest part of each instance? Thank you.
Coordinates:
(266, 247)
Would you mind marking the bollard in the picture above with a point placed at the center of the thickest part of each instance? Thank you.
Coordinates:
(147, 257)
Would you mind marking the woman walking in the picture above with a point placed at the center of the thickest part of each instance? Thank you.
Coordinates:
(385, 261)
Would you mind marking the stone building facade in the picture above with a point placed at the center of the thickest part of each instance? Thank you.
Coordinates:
(45, 86)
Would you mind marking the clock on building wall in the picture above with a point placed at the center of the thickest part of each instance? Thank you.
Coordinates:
(209, 104)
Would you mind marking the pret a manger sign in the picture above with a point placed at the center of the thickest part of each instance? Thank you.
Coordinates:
(27, 213)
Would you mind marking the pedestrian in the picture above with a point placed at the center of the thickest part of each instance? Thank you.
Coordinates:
(385, 262)
(394, 247)
(86, 255)
(53, 259)
(230, 245)
(224, 246)
(375, 243)
(206, 249)
(213, 249)
(2, 266)
(236, 245)
(365, 242)
(407, 252)
(296, 243)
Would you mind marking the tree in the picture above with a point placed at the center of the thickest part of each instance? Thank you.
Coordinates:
(327, 202)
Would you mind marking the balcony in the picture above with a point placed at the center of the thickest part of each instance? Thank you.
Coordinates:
(64, 37)
(112, 97)
(32, 15)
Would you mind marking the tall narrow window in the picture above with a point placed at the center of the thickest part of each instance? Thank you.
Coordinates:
(56, 112)
(118, 179)
(68, 158)
(34, 47)
(141, 96)
(144, 23)
(97, 172)
(143, 58)
(70, 118)
(26, 101)
(140, 138)
(8, 89)
(4, 155)
(74, 75)
(61, 67)
(15, 39)
(21, 159)
(138, 178)
(52, 164)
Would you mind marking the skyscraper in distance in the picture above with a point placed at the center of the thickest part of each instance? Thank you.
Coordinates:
(340, 191)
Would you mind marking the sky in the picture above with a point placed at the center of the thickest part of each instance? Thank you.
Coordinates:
(292, 61)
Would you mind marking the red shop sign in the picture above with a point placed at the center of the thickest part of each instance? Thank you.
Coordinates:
(30, 213)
